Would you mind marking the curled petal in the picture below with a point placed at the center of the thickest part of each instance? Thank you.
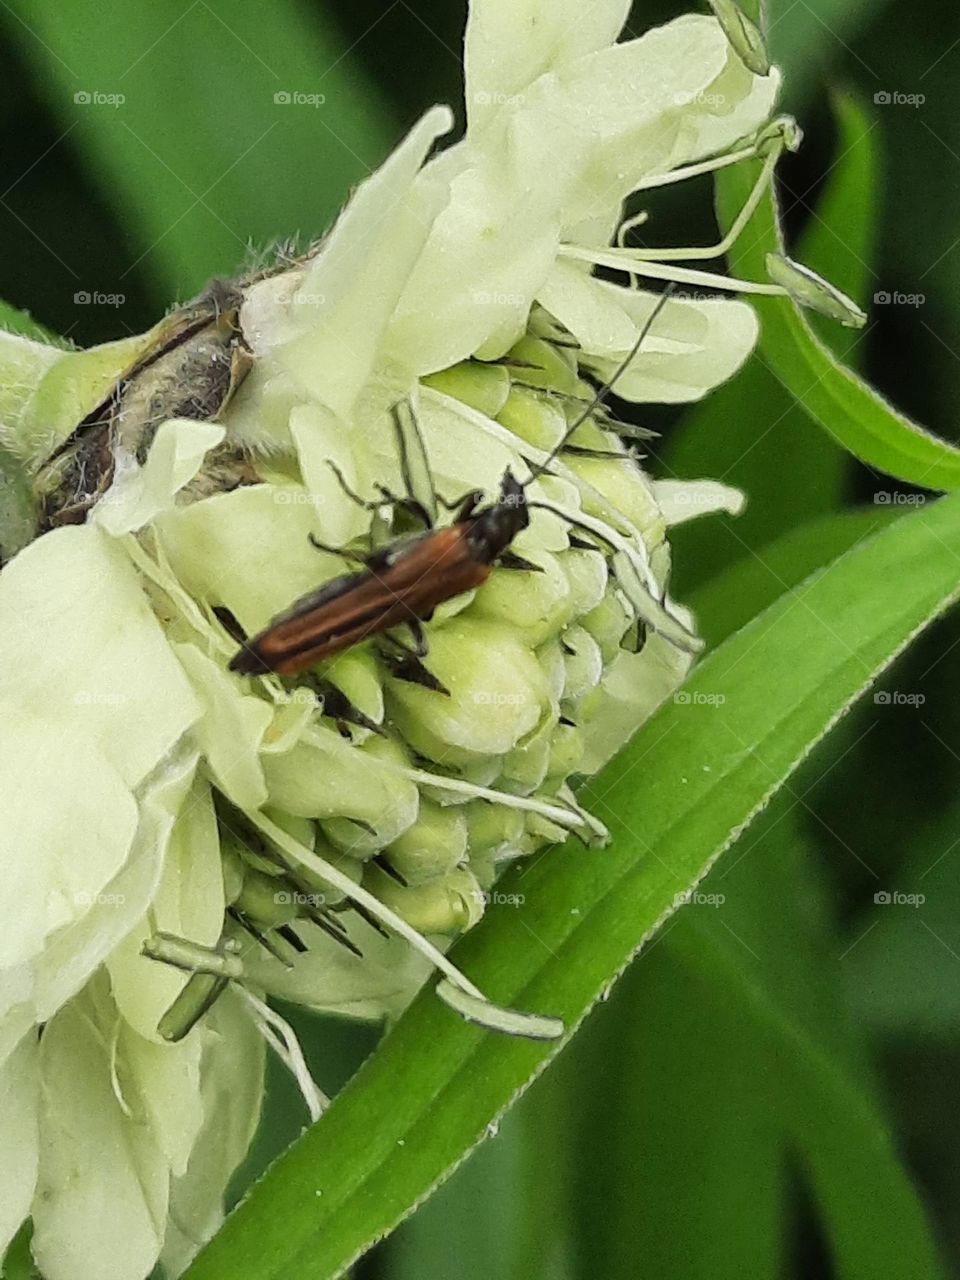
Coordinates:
(694, 344)
(139, 494)
(511, 43)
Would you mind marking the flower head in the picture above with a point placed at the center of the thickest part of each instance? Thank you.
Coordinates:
(182, 840)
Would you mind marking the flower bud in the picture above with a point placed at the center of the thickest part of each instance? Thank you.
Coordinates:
(449, 904)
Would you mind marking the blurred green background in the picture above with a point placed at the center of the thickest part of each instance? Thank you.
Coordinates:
(775, 1080)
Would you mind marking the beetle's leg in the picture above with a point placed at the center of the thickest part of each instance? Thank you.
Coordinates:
(420, 648)
(510, 560)
(344, 552)
(464, 506)
(387, 499)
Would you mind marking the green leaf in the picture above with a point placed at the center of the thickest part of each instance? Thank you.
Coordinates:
(730, 600)
(805, 39)
(198, 158)
(833, 395)
(736, 1062)
(13, 320)
(705, 765)
(839, 238)
(901, 959)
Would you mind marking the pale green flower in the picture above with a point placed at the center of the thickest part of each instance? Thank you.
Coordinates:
(324, 839)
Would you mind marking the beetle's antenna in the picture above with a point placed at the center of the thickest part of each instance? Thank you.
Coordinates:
(604, 391)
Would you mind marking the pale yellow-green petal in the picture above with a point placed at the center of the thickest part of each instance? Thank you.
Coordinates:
(231, 1091)
(80, 646)
(68, 824)
(19, 1135)
(188, 901)
(510, 43)
(248, 550)
(139, 494)
(72, 953)
(230, 730)
(102, 1193)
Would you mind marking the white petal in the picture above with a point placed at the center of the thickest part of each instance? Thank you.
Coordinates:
(80, 646)
(644, 107)
(320, 438)
(510, 43)
(68, 824)
(248, 550)
(101, 1199)
(72, 954)
(682, 500)
(694, 345)
(188, 901)
(634, 686)
(733, 106)
(328, 977)
(230, 730)
(164, 1081)
(138, 494)
(19, 1136)
(350, 290)
(231, 1083)
(488, 252)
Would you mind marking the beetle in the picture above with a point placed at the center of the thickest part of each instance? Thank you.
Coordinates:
(404, 582)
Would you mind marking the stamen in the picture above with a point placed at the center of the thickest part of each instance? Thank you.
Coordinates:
(729, 240)
(287, 1048)
(809, 290)
(553, 813)
(626, 260)
(304, 857)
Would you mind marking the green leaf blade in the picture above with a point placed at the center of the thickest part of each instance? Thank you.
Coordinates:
(850, 410)
(676, 799)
